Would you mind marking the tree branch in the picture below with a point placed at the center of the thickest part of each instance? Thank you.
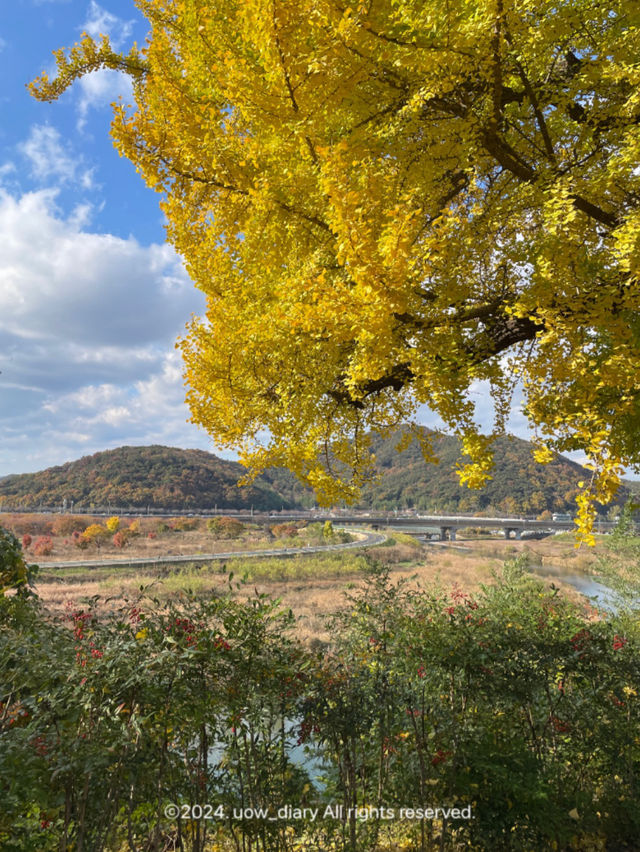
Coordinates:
(497, 336)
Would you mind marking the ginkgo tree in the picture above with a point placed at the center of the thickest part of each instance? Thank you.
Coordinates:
(387, 202)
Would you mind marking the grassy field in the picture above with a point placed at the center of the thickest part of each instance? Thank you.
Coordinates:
(314, 585)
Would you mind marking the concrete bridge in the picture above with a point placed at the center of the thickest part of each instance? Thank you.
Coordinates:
(446, 526)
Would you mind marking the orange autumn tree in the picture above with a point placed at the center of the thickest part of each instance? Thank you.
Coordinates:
(388, 202)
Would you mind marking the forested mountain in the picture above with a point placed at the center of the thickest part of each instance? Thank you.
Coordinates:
(519, 484)
(167, 477)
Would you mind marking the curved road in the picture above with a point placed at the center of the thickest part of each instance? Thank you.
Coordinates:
(368, 540)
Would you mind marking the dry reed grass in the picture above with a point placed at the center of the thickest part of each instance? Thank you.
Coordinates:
(312, 585)
(311, 594)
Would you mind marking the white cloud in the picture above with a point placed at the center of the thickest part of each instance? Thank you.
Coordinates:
(62, 282)
(61, 427)
(100, 89)
(127, 408)
(87, 326)
(50, 161)
(101, 22)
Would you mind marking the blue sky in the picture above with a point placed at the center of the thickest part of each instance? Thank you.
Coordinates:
(91, 298)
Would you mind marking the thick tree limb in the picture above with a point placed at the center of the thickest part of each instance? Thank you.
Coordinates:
(498, 335)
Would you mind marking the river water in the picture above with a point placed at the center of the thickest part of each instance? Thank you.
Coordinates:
(598, 593)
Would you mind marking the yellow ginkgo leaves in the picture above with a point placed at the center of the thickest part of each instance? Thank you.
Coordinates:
(381, 203)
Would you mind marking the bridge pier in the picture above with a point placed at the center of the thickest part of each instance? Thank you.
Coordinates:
(447, 533)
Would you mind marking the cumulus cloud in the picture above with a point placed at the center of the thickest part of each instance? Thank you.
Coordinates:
(124, 410)
(87, 327)
(54, 428)
(61, 282)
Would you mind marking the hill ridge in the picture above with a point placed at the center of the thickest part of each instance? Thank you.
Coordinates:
(177, 478)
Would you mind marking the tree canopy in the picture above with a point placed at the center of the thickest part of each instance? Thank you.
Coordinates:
(388, 202)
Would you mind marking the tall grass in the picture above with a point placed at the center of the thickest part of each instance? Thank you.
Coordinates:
(199, 579)
(396, 537)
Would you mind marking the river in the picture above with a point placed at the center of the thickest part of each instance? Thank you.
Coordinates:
(598, 593)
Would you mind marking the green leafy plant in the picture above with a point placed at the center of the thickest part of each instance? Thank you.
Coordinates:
(510, 703)
(15, 573)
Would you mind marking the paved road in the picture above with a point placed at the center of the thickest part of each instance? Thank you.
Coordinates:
(368, 540)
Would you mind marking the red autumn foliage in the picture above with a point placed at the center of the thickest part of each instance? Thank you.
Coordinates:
(43, 546)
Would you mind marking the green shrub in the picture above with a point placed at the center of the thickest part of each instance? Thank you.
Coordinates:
(15, 574)
(509, 702)
(226, 528)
